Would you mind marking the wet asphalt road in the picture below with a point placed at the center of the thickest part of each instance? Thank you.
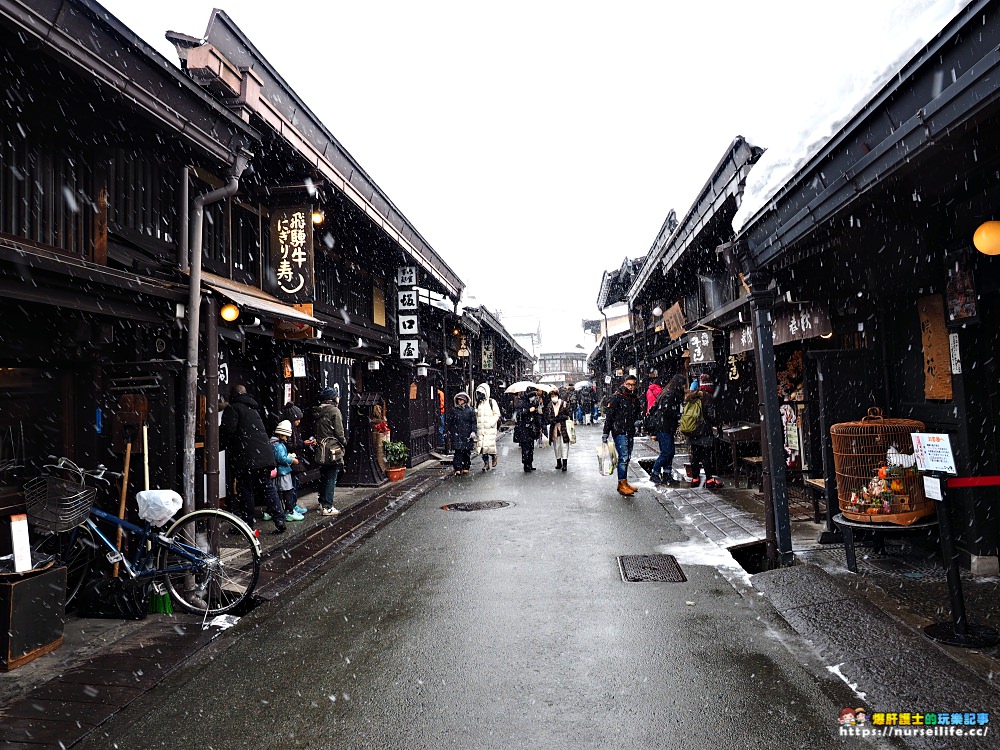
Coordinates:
(506, 628)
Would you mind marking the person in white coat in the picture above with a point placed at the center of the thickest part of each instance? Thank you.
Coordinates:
(487, 419)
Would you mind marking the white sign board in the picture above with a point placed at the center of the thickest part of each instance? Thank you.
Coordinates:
(408, 324)
(407, 300)
(933, 452)
(406, 276)
(19, 540)
(298, 367)
(932, 488)
(409, 349)
(956, 356)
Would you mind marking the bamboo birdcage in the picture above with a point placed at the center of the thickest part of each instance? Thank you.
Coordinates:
(877, 478)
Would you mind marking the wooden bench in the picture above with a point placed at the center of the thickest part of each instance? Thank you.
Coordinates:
(817, 487)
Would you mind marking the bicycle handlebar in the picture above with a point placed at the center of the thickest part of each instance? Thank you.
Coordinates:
(65, 464)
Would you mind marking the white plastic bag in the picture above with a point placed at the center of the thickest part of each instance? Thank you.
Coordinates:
(158, 506)
(607, 458)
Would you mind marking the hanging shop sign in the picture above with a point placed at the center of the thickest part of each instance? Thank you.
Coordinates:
(408, 325)
(674, 319)
(409, 349)
(292, 253)
(406, 299)
(406, 276)
(700, 345)
(800, 322)
(937, 350)
(741, 339)
(487, 348)
(961, 290)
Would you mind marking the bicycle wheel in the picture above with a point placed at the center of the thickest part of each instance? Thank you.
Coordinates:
(226, 564)
(76, 550)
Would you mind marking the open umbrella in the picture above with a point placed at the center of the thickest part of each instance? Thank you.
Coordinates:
(521, 386)
(583, 384)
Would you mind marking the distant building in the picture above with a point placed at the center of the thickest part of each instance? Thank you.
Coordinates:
(559, 368)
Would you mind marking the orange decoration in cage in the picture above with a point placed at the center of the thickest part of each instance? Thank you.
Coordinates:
(877, 477)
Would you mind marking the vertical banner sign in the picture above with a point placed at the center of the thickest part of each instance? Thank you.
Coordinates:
(406, 301)
(292, 253)
(487, 347)
(701, 346)
(937, 351)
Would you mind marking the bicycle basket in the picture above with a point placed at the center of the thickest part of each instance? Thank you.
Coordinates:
(56, 504)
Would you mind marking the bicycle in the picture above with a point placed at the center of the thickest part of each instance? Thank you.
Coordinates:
(207, 560)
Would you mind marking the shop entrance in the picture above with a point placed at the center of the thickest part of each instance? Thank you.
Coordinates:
(424, 413)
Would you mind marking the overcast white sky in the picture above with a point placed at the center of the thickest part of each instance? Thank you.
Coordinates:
(537, 143)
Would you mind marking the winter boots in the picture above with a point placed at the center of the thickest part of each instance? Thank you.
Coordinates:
(564, 464)
(624, 488)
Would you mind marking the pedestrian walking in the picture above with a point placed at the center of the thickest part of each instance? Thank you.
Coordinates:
(285, 461)
(587, 398)
(487, 419)
(461, 427)
(527, 426)
(556, 415)
(620, 416)
(697, 423)
(329, 426)
(250, 457)
(662, 421)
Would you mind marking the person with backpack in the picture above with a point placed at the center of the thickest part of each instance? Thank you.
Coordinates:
(329, 425)
(622, 412)
(696, 423)
(662, 421)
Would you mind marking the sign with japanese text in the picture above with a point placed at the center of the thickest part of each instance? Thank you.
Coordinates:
(741, 339)
(292, 253)
(487, 347)
(800, 322)
(406, 276)
(937, 351)
(933, 452)
(407, 299)
(408, 325)
(701, 347)
(409, 349)
(674, 318)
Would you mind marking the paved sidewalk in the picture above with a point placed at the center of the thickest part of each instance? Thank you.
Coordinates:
(103, 665)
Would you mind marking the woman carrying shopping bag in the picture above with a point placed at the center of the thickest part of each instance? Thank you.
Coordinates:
(557, 413)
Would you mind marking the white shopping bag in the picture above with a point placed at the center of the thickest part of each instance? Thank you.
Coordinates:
(158, 506)
(607, 458)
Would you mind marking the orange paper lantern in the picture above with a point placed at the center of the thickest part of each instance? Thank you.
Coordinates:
(987, 238)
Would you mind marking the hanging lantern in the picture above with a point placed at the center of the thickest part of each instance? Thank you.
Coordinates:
(229, 312)
(987, 238)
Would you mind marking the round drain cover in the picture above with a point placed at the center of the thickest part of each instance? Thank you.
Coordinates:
(484, 505)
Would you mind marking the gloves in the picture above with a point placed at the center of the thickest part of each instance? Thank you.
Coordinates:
(604, 438)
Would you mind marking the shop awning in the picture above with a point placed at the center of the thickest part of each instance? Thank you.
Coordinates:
(250, 298)
(791, 323)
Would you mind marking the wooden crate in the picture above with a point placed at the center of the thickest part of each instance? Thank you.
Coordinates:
(32, 614)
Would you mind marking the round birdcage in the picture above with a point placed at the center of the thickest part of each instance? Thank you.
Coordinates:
(56, 504)
(877, 477)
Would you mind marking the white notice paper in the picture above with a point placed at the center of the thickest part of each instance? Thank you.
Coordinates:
(933, 452)
(932, 488)
(19, 540)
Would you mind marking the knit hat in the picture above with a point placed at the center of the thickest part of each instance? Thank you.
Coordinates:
(292, 411)
(284, 428)
(328, 393)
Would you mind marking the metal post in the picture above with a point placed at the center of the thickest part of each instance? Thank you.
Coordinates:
(211, 403)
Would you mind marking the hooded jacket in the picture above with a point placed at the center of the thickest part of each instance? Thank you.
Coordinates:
(248, 446)
(622, 412)
(487, 419)
(461, 424)
(329, 422)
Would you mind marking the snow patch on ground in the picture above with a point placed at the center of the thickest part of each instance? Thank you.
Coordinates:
(835, 669)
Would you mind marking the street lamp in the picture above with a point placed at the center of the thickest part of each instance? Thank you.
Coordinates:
(987, 238)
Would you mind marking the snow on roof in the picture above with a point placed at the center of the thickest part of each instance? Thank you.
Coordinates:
(866, 71)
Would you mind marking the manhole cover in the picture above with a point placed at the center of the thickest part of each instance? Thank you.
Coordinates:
(484, 505)
(637, 568)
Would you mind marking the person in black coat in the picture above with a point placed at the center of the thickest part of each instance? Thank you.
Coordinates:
(662, 421)
(462, 429)
(619, 423)
(250, 457)
(527, 426)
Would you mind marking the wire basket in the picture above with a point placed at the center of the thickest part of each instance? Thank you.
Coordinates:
(56, 504)
(877, 478)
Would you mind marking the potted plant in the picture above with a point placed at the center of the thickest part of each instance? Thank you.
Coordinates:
(395, 453)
